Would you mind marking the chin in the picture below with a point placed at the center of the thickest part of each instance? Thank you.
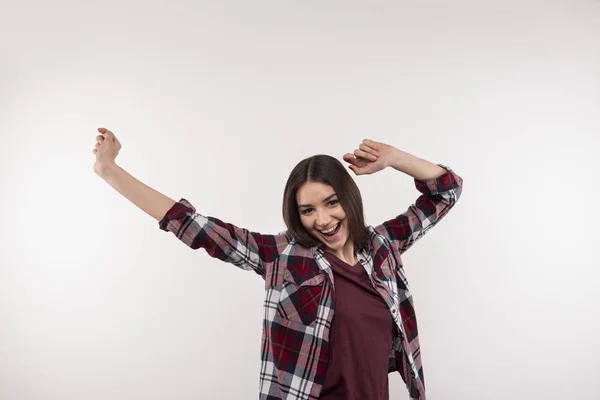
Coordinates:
(338, 244)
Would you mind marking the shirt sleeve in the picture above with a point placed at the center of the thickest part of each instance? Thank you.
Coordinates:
(227, 242)
(439, 196)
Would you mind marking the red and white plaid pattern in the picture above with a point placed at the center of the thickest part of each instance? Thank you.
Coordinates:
(299, 288)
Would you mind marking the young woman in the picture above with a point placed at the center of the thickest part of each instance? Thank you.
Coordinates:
(338, 315)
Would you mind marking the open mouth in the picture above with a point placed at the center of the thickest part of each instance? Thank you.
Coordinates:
(333, 232)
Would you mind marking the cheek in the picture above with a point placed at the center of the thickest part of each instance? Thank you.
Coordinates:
(305, 223)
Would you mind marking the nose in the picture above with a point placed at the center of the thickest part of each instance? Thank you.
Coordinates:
(323, 219)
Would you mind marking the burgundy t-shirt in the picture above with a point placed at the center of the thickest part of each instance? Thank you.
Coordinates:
(360, 337)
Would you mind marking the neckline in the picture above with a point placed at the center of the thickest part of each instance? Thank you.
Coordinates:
(357, 263)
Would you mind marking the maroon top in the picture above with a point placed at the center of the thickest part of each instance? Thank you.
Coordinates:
(360, 337)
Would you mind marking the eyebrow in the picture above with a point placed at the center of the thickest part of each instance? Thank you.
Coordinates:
(324, 201)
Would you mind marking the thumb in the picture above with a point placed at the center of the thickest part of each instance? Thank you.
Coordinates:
(105, 132)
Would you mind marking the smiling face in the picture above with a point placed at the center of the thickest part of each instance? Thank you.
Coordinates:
(323, 216)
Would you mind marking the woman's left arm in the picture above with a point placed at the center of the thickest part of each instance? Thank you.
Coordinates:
(440, 187)
(373, 156)
(416, 167)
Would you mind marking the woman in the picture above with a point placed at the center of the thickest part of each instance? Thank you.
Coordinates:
(338, 313)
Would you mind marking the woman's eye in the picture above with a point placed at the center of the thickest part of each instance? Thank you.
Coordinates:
(333, 202)
(306, 211)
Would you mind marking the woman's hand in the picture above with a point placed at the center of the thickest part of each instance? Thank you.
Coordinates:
(370, 157)
(106, 150)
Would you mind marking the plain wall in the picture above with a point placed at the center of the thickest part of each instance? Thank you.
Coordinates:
(216, 102)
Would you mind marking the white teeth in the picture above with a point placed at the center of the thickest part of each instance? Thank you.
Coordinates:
(332, 229)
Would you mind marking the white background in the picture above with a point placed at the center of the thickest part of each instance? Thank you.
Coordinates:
(216, 102)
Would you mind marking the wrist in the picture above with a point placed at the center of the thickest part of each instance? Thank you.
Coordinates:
(106, 169)
(398, 159)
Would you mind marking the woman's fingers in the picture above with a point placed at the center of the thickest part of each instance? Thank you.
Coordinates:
(105, 134)
(349, 157)
(365, 155)
(368, 149)
(100, 139)
(371, 144)
(352, 159)
(356, 161)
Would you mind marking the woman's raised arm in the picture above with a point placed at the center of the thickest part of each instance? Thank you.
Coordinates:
(441, 188)
(227, 242)
(147, 199)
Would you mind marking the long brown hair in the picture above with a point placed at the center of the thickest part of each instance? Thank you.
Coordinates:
(328, 170)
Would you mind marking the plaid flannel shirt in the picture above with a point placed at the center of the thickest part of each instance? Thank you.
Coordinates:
(299, 288)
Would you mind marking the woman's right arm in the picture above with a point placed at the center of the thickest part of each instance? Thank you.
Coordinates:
(147, 199)
(247, 250)
(227, 242)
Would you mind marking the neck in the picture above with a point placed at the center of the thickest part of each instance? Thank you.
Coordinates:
(346, 254)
